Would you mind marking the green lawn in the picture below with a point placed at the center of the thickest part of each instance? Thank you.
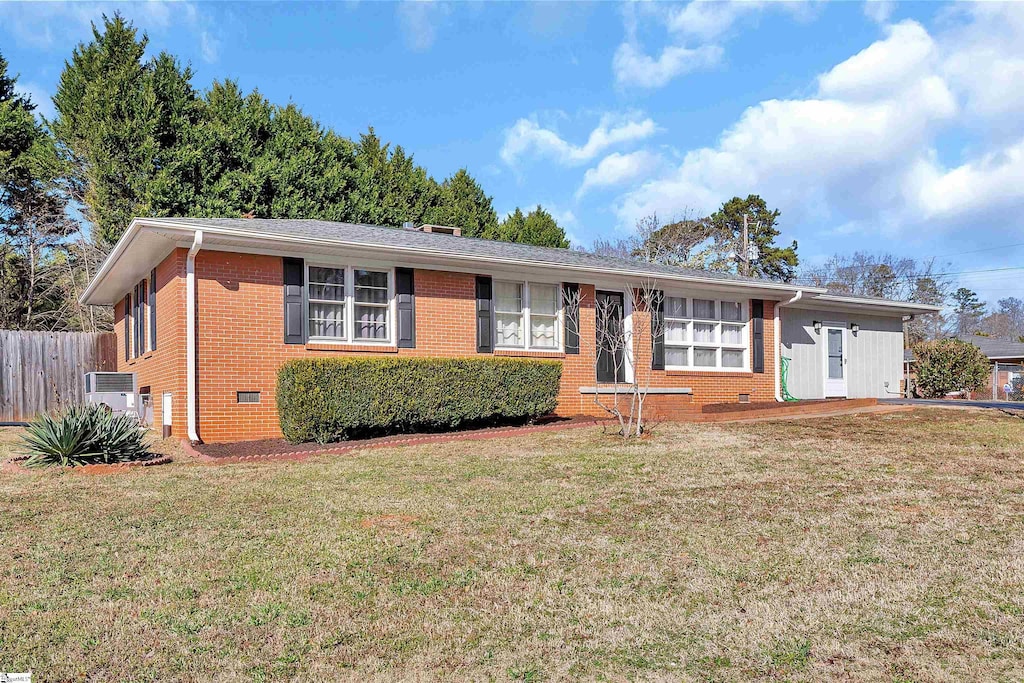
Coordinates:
(867, 547)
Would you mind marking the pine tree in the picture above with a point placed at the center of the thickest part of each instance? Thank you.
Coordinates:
(33, 216)
(772, 262)
(968, 311)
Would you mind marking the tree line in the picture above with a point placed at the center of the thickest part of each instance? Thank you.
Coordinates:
(132, 136)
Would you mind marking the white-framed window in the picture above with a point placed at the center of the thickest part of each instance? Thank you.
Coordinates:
(138, 314)
(706, 334)
(349, 304)
(528, 315)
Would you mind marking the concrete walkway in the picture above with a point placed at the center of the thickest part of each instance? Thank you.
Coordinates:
(953, 403)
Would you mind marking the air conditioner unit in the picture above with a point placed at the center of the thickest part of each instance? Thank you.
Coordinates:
(116, 390)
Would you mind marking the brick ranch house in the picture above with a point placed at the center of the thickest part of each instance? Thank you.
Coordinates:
(207, 310)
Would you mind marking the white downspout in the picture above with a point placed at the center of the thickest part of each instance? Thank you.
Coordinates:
(778, 343)
(190, 335)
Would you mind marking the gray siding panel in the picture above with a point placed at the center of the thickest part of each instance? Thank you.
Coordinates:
(875, 354)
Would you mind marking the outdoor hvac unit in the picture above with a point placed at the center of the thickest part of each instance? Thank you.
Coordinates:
(116, 390)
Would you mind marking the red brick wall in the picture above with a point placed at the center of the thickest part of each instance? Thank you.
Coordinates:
(240, 347)
(707, 386)
(163, 370)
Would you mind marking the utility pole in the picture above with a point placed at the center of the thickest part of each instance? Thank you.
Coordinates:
(746, 249)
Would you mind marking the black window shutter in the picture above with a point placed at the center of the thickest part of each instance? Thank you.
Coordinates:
(127, 327)
(484, 315)
(152, 310)
(294, 300)
(757, 319)
(570, 290)
(658, 340)
(136, 311)
(143, 312)
(405, 292)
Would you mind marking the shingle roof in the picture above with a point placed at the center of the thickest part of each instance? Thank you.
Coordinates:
(992, 348)
(374, 235)
(995, 348)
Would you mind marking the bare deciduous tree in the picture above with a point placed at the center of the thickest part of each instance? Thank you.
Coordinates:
(619, 344)
(889, 277)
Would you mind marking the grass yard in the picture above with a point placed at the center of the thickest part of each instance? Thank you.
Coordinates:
(885, 548)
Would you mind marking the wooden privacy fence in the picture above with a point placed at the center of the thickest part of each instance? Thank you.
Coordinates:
(43, 371)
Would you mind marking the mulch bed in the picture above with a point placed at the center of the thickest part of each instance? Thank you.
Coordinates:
(280, 449)
(763, 405)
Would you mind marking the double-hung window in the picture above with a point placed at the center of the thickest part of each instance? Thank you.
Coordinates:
(527, 315)
(348, 304)
(138, 315)
(705, 334)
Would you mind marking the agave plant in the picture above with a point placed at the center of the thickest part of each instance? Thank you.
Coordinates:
(85, 435)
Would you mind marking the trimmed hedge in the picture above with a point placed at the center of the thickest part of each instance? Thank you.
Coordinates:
(334, 399)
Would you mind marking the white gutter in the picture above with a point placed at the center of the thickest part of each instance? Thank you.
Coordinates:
(778, 343)
(190, 335)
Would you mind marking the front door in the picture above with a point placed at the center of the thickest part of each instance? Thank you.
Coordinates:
(610, 365)
(835, 361)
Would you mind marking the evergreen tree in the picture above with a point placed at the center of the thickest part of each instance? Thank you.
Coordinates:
(537, 227)
(772, 262)
(390, 188)
(33, 216)
(461, 202)
(968, 311)
(107, 123)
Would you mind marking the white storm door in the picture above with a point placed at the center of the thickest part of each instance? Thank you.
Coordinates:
(835, 361)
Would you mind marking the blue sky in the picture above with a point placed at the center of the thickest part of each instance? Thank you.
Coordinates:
(875, 126)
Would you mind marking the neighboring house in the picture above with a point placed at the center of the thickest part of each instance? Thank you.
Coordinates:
(207, 310)
(1006, 357)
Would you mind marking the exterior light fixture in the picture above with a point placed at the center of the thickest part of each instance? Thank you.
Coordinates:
(855, 328)
(817, 325)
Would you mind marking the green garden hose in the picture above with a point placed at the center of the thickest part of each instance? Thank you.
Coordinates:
(786, 396)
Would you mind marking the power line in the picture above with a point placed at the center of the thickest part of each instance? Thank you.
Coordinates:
(975, 251)
(922, 276)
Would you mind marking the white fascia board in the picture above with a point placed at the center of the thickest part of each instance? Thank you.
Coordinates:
(877, 306)
(225, 239)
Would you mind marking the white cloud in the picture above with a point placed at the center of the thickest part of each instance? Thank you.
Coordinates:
(528, 137)
(708, 20)
(695, 35)
(863, 151)
(209, 47)
(633, 67)
(879, 11)
(55, 24)
(884, 67)
(419, 21)
(985, 184)
(617, 168)
(984, 62)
